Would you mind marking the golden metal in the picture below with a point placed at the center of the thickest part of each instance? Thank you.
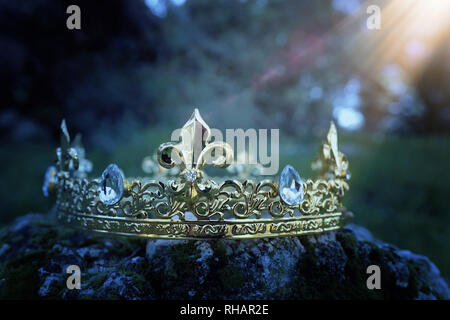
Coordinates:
(191, 206)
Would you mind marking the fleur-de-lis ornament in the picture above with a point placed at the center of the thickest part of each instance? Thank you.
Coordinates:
(332, 162)
(85, 165)
(67, 157)
(195, 150)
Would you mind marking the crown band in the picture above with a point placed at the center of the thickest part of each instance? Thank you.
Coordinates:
(189, 205)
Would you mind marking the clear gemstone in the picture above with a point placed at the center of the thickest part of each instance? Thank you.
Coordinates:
(190, 175)
(290, 187)
(110, 190)
(49, 179)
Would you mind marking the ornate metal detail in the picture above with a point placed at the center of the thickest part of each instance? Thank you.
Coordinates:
(195, 148)
(192, 207)
(332, 164)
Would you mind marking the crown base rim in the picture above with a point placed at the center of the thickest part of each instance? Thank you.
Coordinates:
(204, 230)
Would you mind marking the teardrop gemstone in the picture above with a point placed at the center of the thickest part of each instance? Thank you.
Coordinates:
(110, 190)
(290, 186)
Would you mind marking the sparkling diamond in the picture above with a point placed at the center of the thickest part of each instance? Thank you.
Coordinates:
(49, 179)
(290, 187)
(190, 175)
(110, 190)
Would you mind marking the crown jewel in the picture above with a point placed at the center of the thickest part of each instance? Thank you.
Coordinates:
(177, 200)
(290, 186)
(110, 189)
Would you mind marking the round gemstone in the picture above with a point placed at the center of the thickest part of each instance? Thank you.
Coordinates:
(290, 186)
(50, 179)
(190, 175)
(110, 190)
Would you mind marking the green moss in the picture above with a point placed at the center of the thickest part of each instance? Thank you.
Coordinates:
(21, 274)
(140, 281)
(126, 247)
(87, 297)
(46, 237)
(181, 272)
(230, 278)
(413, 282)
(112, 296)
(220, 251)
(355, 268)
(16, 239)
(348, 242)
(98, 280)
(313, 282)
(223, 276)
(182, 261)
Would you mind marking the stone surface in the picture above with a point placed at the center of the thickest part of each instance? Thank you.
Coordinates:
(35, 251)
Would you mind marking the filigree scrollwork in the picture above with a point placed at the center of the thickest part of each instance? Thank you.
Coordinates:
(232, 208)
(84, 195)
(174, 206)
(142, 198)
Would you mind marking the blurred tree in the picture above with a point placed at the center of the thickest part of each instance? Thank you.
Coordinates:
(49, 71)
(434, 89)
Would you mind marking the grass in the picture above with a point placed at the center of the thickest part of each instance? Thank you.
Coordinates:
(399, 188)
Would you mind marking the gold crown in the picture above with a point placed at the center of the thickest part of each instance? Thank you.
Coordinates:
(187, 204)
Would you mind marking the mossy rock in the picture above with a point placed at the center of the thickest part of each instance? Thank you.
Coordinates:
(36, 250)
